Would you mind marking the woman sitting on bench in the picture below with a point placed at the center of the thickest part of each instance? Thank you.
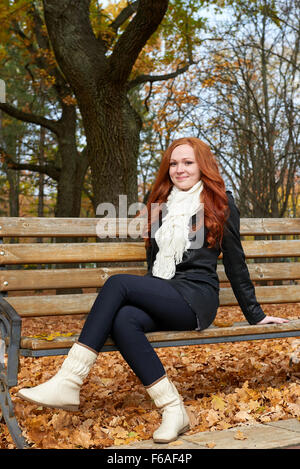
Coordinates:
(179, 292)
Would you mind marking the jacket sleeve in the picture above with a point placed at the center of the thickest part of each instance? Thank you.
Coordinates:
(236, 268)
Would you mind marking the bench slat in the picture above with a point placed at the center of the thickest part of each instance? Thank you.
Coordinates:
(73, 304)
(269, 226)
(66, 227)
(68, 253)
(40, 253)
(265, 295)
(14, 280)
(61, 278)
(274, 248)
(237, 329)
(268, 271)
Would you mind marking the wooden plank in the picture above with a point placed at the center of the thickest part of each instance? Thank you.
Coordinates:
(272, 248)
(45, 279)
(265, 295)
(52, 305)
(48, 227)
(41, 279)
(268, 271)
(78, 227)
(40, 253)
(270, 226)
(60, 305)
(33, 343)
(64, 227)
(237, 329)
(68, 253)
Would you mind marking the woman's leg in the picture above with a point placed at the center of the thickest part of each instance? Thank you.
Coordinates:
(162, 302)
(63, 389)
(128, 332)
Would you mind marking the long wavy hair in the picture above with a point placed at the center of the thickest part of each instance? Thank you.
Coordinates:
(213, 194)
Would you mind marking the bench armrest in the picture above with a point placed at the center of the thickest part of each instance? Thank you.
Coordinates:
(10, 327)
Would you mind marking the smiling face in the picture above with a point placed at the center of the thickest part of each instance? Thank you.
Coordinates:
(184, 170)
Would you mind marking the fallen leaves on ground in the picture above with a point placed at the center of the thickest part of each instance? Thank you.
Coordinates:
(223, 386)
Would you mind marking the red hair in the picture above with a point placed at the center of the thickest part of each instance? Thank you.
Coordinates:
(213, 194)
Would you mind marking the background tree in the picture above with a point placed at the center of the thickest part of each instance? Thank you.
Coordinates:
(251, 101)
(25, 44)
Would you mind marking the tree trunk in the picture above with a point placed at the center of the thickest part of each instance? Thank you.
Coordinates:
(113, 142)
(73, 167)
(41, 158)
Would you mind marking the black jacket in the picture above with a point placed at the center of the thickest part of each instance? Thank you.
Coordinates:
(198, 269)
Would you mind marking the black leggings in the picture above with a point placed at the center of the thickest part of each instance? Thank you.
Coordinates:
(127, 307)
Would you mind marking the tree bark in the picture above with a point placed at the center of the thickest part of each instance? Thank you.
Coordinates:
(113, 144)
(73, 166)
(41, 158)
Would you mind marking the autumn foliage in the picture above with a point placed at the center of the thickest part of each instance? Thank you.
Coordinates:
(223, 386)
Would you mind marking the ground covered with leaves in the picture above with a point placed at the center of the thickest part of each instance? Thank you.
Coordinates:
(223, 386)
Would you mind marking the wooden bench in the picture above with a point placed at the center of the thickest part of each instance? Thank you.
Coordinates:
(17, 283)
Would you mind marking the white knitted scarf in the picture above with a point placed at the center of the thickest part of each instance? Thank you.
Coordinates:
(172, 236)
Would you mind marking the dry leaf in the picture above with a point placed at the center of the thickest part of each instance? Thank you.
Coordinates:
(176, 443)
(210, 445)
(212, 417)
(223, 323)
(294, 409)
(82, 438)
(242, 416)
(52, 336)
(218, 403)
(240, 436)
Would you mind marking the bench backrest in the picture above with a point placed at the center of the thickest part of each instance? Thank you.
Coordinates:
(29, 281)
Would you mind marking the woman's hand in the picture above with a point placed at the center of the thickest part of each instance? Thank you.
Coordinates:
(272, 319)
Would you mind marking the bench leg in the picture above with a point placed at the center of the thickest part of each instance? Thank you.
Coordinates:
(10, 334)
(9, 417)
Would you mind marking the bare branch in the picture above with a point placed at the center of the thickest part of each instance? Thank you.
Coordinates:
(49, 169)
(147, 19)
(124, 15)
(152, 78)
(28, 117)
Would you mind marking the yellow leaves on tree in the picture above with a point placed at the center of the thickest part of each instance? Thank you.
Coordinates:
(169, 102)
(9, 12)
(224, 71)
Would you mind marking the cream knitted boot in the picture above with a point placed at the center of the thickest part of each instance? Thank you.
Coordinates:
(174, 418)
(62, 390)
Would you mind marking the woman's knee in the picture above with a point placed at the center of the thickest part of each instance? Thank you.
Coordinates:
(117, 280)
(113, 279)
(113, 284)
